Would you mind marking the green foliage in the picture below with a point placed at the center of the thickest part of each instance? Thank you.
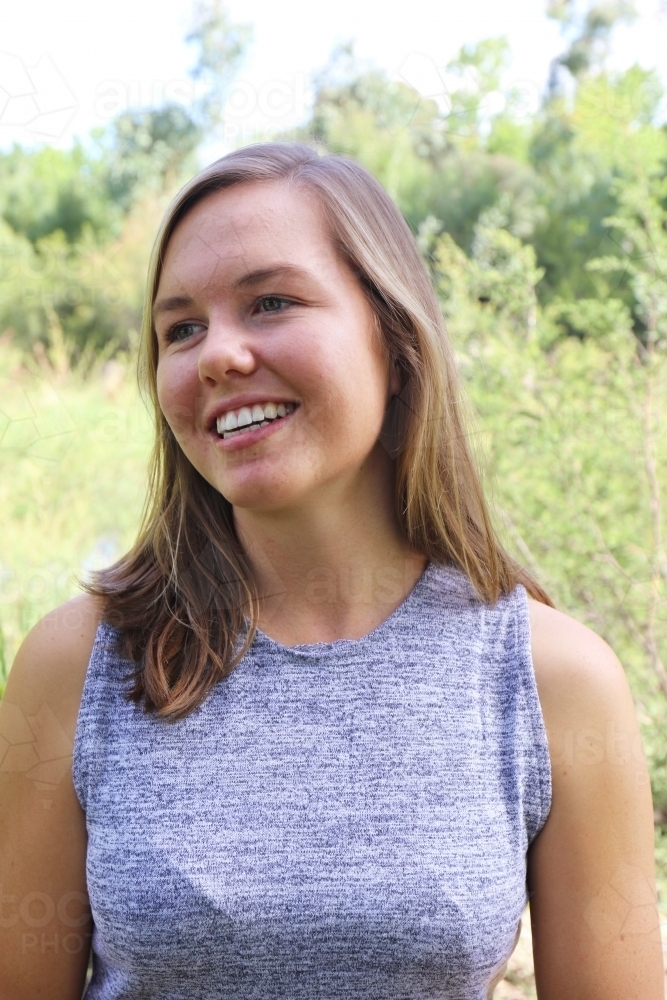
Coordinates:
(73, 452)
(600, 319)
(475, 73)
(590, 33)
(147, 151)
(431, 156)
(92, 292)
(504, 271)
(573, 430)
(585, 154)
(641, 228)
(51, 190)
(557, 174)
(383, 125)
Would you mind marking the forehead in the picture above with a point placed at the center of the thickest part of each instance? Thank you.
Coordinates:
(248, 226)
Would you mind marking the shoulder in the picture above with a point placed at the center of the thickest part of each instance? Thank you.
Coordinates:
(50, 667)
(590, 869)
(595, 747)
(42, 824)
(579, 678)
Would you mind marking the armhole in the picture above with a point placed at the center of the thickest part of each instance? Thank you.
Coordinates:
(537, 755)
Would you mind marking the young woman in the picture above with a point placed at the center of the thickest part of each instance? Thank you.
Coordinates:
(324, 743)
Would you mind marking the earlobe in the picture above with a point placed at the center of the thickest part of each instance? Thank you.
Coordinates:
(393, 432)
(396, 379)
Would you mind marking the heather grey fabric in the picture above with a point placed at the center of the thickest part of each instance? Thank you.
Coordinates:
(345, 820)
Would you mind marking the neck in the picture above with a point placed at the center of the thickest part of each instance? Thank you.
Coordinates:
(336, 567)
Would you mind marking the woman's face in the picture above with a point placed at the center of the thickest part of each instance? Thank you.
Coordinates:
(265, 336)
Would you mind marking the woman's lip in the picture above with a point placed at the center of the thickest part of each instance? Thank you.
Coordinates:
(247, 438)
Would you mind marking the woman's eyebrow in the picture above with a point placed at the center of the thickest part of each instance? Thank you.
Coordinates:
(172, 304)
(266, 273)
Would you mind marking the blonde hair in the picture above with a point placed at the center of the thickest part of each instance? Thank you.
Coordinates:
(182, 595)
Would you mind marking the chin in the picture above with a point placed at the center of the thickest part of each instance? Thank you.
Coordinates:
(258, 484)
(257, 496)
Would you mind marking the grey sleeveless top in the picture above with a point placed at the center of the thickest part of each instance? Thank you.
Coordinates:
(337, 821)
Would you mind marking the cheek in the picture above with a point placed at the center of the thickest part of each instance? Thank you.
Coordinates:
(363, 376)
(177, 391)
(347, 388)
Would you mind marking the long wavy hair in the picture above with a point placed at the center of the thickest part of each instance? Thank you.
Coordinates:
(183, 597)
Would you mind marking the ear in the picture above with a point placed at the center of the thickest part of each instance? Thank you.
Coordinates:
(392, 432)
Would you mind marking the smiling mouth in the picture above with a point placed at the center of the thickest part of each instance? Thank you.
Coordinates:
(247, 418)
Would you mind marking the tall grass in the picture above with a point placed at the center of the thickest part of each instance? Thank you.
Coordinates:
(73, 447)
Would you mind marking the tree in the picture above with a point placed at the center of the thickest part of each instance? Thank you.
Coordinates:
(431, 158)
(147, 150)
(582, 149)
(47, 190)
(153, 149)
(640, 226)
(589, 34)
(573, 432)
(221, 47)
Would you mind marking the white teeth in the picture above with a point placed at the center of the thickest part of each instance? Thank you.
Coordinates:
(234, 421)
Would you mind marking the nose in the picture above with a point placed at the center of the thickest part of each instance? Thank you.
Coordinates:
(226, 351)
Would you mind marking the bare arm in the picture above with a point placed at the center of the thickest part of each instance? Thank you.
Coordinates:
(591, 872)
(45, 923)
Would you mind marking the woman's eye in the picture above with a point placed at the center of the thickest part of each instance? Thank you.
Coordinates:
(272, 303)
(182, 331)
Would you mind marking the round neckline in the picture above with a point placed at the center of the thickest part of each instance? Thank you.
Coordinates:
(320, 649)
